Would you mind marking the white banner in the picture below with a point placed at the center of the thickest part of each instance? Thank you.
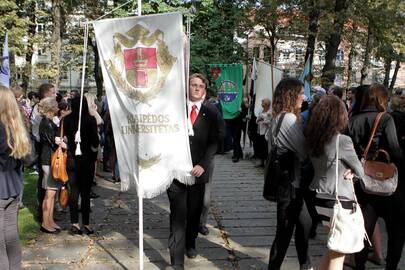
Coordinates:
(267, 79)
(142, 60)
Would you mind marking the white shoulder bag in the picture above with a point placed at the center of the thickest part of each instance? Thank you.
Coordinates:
(347, 232)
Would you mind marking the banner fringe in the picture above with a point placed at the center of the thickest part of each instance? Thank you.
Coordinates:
(148, 194)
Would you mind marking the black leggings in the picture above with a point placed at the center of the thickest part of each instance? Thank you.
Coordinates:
(392, 210)
(290, 214)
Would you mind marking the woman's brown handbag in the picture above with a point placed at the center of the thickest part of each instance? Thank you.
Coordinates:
(58, 162)
(380, 178)
(63, 197)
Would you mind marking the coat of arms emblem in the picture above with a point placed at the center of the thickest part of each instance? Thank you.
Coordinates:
(140, 63)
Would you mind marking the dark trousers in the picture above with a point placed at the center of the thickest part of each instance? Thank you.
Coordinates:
(40, 190)
(392, 210)
(207, 195)
(291, 213)
(235, 128)
(185, 211)
(10, 249)
(262, 147)
(81, 174)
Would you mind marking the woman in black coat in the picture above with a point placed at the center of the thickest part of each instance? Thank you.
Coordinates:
(81, 167)
(390, 208)
(49, 140)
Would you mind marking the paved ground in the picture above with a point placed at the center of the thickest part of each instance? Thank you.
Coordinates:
(242, 227)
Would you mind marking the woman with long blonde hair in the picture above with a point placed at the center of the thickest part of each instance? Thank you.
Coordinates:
(14, 145)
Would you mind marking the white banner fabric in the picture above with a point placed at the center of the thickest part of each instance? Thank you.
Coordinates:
(142, 60)
(265, 75)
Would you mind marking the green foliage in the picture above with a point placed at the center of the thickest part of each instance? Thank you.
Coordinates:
(213, 30)
(27, 226)
(215, 24)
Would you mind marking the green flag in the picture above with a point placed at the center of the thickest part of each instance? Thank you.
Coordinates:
(228, 80)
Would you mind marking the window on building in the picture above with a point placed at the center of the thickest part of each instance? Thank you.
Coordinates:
(267, 53)
(19, 74)
(40, 27)
(41, 51)
(340, 56)
(285, 55)
(299, 54)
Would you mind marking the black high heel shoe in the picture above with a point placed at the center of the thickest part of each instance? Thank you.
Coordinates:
(88, 230)
(74, 230)
(48, 231)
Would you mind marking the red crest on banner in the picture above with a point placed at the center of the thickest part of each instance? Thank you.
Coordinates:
(216, 72)
(139, 62)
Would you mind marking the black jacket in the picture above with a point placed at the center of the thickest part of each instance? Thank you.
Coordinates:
(399, 120)
(48, 130)
(359, 129)
(88, 133)
(10, 169)
(203, 145)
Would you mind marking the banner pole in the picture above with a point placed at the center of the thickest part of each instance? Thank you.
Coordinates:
(140, 193)
(140, 202)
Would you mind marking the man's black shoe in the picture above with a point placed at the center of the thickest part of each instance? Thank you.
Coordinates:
(235, 159)
(203, 230)
(94, 195)
(191, 253)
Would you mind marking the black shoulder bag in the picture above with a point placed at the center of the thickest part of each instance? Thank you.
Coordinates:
(273, 171)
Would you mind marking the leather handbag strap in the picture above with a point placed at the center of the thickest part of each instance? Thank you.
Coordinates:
(61, 128)
(375, 126)
(279, 123)
(278, 127)
(337, 169)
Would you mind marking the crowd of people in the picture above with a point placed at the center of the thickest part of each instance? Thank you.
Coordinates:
(306, 136)
(309, 137)
(32, 127)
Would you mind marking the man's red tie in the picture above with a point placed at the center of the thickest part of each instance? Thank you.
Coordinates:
(193, 114)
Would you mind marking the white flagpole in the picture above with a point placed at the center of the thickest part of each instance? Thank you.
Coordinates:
(78, 151)
(140, 192)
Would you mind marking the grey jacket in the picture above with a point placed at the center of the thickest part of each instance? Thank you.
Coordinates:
(325, 171)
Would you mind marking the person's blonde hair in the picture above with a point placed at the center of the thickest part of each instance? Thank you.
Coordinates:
(46, 107)
(91, 101)
(10, 116)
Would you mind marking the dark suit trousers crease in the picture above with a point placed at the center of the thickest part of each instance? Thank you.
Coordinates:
(185, 211)
(80, 178)
(291, 214)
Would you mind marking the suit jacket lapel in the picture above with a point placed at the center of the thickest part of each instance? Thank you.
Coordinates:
(201, 114)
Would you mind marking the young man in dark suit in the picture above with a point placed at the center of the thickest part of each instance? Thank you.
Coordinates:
(186, 201)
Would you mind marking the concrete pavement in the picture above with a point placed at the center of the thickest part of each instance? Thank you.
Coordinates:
(242, 228)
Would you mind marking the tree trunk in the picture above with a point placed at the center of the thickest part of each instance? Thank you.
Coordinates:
(387, 70)
(30, 46)
(367, 52)
(332, 44)
(272, 49)
(394, 77)
(313, 18)
(350, 65)
(97, 69)
(56, 39)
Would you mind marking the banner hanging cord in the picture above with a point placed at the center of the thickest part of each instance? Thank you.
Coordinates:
(111, 11)
(78, 151)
